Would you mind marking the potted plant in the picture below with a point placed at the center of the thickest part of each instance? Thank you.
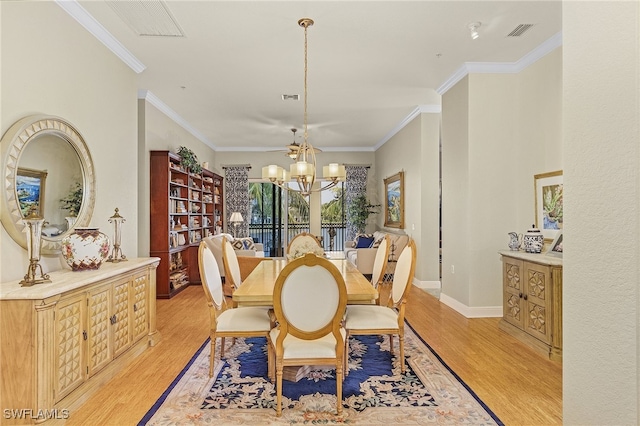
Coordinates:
(359, 210)
(189, 160)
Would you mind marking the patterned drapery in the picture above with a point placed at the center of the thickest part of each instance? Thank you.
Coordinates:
(355, 185)
(236, 197)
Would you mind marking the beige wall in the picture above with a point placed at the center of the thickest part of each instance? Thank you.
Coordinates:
(51, 65)
(414, 150)
(158, 132)
(601, 122)
(498, 131)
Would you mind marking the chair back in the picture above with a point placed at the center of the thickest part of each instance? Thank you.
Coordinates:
(231, 265)
(214, 242)
(305, 242)
(210, 276)
(310, 299)
(403, 275)
(380, 262)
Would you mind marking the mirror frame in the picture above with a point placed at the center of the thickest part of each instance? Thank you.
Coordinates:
(13, 144)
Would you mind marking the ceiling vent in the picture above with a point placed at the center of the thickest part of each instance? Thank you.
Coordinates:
(520, 30)
(290, 97)
(150, 18)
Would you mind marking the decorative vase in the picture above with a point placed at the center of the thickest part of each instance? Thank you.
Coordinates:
(533, 240)
(85, 248)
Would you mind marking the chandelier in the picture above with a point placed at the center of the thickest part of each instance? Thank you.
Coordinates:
(303, 171)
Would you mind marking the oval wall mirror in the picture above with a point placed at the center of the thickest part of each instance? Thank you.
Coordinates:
(46, 167)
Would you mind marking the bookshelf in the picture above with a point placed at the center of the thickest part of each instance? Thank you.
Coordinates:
(184, 209)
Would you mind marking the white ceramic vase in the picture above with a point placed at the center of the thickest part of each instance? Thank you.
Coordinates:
(85, 248)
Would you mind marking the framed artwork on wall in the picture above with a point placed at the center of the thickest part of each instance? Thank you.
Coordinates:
(549, 208)
(30, 185)
(394, 201)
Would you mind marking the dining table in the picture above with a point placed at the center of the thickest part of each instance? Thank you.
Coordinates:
(257, 288)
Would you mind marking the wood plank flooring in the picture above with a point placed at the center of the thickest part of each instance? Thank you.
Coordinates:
(520, 386)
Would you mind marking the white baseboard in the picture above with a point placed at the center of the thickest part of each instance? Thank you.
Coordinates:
(431, 285)
(472, 312)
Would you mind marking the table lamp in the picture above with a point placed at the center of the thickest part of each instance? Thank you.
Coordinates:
(236, 219)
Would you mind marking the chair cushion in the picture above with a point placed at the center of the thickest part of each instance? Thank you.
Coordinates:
(325, 347)
(365, 317)
(244, 319)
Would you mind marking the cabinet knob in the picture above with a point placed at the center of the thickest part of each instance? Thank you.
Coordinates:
(84, 334)
(113, 319)
(525, 297)
(135, 307)
(520, 295)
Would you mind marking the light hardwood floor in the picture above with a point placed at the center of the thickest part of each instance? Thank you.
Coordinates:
(520, 386)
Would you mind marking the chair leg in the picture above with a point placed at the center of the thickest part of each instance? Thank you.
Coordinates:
(221, 347)
(401, 339)
(391, 343)
(278, 388)
(212, 354)
(346, 354)
(339, 379)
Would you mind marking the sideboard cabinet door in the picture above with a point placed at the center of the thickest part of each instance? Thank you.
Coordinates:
(69, 343)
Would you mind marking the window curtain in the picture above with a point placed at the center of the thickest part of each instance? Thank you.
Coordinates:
(355, 185)
(236, 197)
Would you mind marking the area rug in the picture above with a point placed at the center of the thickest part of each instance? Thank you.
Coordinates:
(374, 392)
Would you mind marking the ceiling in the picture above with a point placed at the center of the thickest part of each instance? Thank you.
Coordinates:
(371, 64)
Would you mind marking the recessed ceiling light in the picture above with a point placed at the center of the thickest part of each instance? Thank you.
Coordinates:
(290, 97)
(473, 27)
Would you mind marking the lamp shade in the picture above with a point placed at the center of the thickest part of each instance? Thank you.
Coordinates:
(236, 217)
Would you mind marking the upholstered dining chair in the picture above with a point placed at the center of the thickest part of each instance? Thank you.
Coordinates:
(389, 319)
(238, 322)
(380, 263)
(304, 242)
(309, 300)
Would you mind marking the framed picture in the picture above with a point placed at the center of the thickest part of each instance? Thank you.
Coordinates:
(394, 201)
(30, 186)
(549, 212)
(556, 246)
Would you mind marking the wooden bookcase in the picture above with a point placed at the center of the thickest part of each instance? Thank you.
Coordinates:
(185, 208)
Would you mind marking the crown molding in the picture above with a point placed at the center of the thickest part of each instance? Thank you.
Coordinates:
(501, 67)
(430, 109)
(164, 108)
(80, 14)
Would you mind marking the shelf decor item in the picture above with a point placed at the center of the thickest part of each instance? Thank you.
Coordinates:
(116, 253)
(34, 236)
(85, 249)
(189, 160)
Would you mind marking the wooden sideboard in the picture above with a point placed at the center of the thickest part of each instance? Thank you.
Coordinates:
(60, 341)
(532, 300)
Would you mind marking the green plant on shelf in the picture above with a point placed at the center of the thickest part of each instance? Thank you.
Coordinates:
(189, 160)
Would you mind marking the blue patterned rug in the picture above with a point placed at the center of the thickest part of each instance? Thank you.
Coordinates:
(374, 392)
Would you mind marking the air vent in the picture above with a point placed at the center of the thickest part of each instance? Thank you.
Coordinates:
(290, 97)
(147, 17)
(519, 30)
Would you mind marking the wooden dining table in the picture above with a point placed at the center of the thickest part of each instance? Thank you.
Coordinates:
(257, 288)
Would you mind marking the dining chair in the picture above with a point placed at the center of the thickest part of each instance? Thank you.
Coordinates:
(225, 322)
(380, 264)
(389, 319)
(309, 301)
(304, 242)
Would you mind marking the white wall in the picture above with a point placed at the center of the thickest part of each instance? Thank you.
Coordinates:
(51, 65)
(601, 121)
(498, 131)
